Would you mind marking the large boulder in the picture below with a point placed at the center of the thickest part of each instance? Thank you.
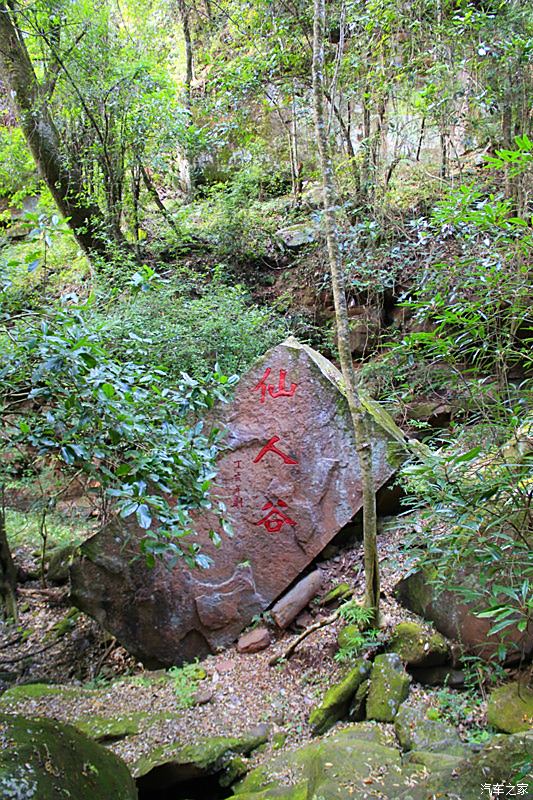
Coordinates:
(363, 761)
(420, 592)
(510, 708)
(41, 759)
(418, 648)
(359, 759)
(499, 764)
(291, 480)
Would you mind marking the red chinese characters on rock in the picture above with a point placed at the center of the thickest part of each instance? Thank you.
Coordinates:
(269, 388)
(275, 519)
(270, 447)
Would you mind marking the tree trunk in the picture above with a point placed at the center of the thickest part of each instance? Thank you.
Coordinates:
(151, 187)
(41, 134)
(184, 154)
(361, 431)
(8, 571)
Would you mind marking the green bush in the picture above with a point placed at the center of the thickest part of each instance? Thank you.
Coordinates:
(17, 167)
(140, 440)
(191, 334)
(476, 513)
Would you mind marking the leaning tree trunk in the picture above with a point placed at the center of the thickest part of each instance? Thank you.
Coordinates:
(64, 183)
(361, 431)
(8, 571)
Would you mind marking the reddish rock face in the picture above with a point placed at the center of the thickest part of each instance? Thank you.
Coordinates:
(254, 641)
(290, 479)
(458, 620)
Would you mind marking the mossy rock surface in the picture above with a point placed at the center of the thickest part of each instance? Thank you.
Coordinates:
(346, 765)
(358, 761)
(41, 759)
(416, 647)
(59, 563)
(433, 762)
(389, 687)
(357, 710)
(107, 729)
(498, 763)
(340, 592)
(208, 755)
(337, 699)
(416, 732)
(510, 708)
(347, 635)
(17, 695)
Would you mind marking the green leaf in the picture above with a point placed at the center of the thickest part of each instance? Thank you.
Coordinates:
(144, 517)
(108, 389)
(123, 469)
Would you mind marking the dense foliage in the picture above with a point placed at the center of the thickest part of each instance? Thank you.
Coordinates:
(177, 157)
(67, 405)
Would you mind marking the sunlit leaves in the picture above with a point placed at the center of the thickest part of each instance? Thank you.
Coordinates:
(123, 424)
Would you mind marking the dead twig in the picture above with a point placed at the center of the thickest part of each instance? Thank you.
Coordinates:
(321, 623)
(107, 652)
(30, 654)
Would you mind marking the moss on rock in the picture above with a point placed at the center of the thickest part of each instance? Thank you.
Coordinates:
(336, 701)
(433, 762)
(416, 732)
(17, 695)
(498, 763)
(389, 687)
(208, 755)
(357, 710)
(510, 708)
(347, 635)
(105, 729)
(418, 648)
(41, 759)
(358, 761)
(340, 592)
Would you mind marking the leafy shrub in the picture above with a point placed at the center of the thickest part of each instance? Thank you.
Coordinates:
(476, 509)
(357, 643)
(18, 175)
(192, 334)
(186, 679)
(140, 441)
(357, 640)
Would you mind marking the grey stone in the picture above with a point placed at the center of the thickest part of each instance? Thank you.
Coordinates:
(416, 732)
(297, 236)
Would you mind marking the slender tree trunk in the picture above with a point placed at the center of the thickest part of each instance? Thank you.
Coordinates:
(8, 571)
(135, 197)
(296, 167)
(444, 155)
(185, 156)
(148, 182)
(420, 138)
(16, 69)
(361, 431)
(347, 139)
